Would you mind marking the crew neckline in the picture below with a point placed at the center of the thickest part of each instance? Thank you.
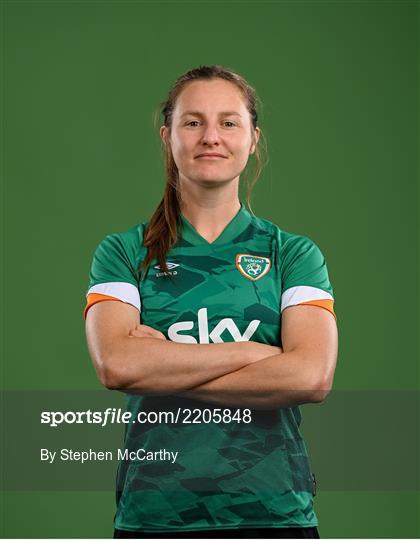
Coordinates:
(235, 226)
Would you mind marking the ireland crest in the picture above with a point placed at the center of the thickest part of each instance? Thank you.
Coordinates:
(252, 266)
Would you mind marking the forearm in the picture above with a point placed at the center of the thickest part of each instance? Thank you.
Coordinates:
(283, 380)
(155, 366)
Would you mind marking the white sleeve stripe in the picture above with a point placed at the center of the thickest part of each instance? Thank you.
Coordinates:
(302, 293)
(123, 291)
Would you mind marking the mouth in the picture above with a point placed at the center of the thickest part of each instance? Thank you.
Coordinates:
(210, 156)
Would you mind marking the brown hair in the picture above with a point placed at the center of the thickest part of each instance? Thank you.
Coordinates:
(161, 232)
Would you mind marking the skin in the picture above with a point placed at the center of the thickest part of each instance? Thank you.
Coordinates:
(136, 358)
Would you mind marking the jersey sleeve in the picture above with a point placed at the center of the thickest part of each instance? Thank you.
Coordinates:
(305, 277)
(113, 275)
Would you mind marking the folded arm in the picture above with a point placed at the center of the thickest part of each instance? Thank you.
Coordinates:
(302, 374)
(150, 365)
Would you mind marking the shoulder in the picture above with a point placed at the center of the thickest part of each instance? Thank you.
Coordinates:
(303, 272)
(286, 240)
(130, 240)
(124, 248)
(263, 226)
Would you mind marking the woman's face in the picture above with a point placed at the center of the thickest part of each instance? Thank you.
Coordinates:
(210, 117)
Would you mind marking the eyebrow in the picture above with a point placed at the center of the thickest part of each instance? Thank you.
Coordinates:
(198, 113)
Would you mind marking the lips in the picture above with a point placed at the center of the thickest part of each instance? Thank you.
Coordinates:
(210, 155)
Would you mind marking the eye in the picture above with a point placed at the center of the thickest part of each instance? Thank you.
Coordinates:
(228, 123)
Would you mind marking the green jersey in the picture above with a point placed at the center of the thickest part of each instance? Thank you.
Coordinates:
(235, 467)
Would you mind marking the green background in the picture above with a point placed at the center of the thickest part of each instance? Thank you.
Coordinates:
(339, 82)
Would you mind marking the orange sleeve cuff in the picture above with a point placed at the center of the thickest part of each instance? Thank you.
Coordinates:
(94, 298)
(326, 304)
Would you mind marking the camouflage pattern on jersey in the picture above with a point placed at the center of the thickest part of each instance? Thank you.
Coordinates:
(226, 475)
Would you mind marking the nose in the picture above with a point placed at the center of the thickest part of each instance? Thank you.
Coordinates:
(210, 135)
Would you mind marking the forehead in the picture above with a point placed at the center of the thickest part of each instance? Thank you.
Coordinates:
(210, 96)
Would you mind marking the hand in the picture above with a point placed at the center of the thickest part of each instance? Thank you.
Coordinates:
(142, 330)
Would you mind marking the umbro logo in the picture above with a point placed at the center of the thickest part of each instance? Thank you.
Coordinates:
(170, 266)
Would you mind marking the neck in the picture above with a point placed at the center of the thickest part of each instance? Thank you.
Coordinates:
(209, 210)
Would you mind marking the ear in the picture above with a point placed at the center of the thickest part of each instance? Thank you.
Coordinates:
(257, 133)
(163, 132)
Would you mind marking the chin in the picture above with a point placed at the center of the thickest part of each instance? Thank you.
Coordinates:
(209, 178)
(212, 181)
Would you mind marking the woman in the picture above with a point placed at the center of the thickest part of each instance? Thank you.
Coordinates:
(237, 329)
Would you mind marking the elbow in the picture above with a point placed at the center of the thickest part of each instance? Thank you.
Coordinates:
(110, 381)
(109, 376)
(113, 376)
(319, 395)
(320, 390)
